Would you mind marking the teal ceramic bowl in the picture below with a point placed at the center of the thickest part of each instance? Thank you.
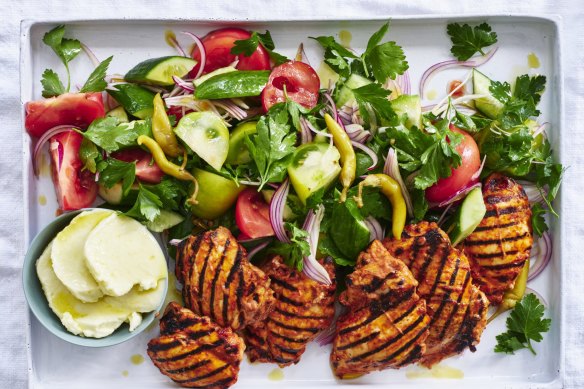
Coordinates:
(40, 307)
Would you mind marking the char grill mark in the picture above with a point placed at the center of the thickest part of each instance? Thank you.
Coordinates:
(500, 245)
(445, 285)
(303, 308)
(195, 352)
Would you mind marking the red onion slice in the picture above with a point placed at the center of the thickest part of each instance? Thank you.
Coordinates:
(43, 139)
(431, 71)
(305, 134)
(457, 196)
(533, 192)
(542, 130)
(367, 151)
(90, 55)
(183, 84)
(301, 55)
(375, 229)
(327, 336)
(312, 268)
(55, 145)
(171, 38)
(391, 168)
(202, 51)
(543, 256)
(277, 206)
(477, 174)
(311, 128)
(258, 248)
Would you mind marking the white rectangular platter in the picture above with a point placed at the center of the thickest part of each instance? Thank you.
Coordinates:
(54, 363)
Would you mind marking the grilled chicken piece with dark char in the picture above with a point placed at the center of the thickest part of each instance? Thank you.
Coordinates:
(500, 245)
(457, 308)
(219, 282)
(303, 308)
(386, 324)
(194, 352)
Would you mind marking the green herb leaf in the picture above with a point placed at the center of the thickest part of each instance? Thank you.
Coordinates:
(293, 253)
(66, 49)
(169, 192)
(377, 36)
(248, 46)
(336, 56)
(111, 135)
(537, 219)
(467, 40)
(386, 60)
(272, 144)
(89, 155)
(113, 171)
(374, 97)
(147, 205)
(52, 85)
(524, 325)
(96, 82)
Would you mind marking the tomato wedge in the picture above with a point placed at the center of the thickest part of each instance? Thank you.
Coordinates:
(146, 169)
(252, 214)
(218, 44)
(75, 188)
(300, 81)
(461, 177)
(75, 109)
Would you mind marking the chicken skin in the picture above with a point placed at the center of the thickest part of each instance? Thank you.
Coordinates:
(500, 245)
(456, 307)
(386, 324)
(303, 308)
(219, 282)
(194, 352)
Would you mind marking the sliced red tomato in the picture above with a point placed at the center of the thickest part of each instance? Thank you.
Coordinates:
(300, 81)
(252, 214)
(75, 109)
(75, 188)
(461, 177)
(146, 169)
(218, 44)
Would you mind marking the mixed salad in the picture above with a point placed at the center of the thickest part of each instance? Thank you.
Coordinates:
(235, 134)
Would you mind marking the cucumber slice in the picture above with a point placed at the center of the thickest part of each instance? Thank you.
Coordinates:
(120, 113)
(411, 106)
(159, 71)
(346, 94)
(206, 134)
(233, 84)
(137, 101)
(489, 106)
(314, 167)
(214, 73)
(167, 219)
(238, 152)
(468, 216)
(216, 194)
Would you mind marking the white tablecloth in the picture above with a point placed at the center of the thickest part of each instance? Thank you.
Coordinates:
(13, 363)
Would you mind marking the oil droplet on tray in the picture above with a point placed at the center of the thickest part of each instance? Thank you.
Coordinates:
(42, 200)
(137, 359)
(436, 371)
(44, 167)
(170, 38)
(276, 375)
(533, 61)
(431, 94)
(345, 37)
(125, 373)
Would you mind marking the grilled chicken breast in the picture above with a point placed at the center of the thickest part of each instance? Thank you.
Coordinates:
(500, 245)
(194, 352)
(386, 324)
(456, 307)
(219, 282)
(303, 308)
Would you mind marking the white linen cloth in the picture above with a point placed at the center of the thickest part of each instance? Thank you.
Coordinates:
(13, 361)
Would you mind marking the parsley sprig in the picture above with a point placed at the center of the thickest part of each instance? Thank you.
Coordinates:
(380, 61)
(67, 49)
(524, 326)
(467, 40)
(248, 46)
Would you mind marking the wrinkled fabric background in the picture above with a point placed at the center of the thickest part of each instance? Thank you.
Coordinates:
(13, 362)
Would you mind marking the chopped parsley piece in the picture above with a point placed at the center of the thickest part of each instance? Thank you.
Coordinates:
(467, 40)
